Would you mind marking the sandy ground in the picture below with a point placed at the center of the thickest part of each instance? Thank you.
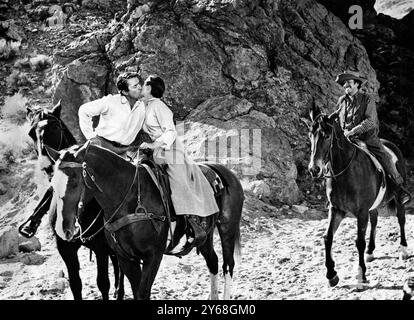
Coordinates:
(282, 258)
(282, 254)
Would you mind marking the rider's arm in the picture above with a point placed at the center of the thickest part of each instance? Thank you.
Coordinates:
(87, 111)
(370, 119)
(338, 110)
(165, 119)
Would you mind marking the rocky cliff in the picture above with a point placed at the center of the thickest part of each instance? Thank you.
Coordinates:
(228, 66)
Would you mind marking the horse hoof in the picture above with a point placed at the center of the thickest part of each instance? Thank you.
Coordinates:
(369, 258)
(360, 286)
(403, 253)
(334, 281)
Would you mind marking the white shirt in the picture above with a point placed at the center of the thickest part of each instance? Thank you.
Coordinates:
(117, 121)
(159, 123)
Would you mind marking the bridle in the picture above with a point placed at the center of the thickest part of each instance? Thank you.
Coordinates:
(88, 173)
(329, 152)
(53, 120)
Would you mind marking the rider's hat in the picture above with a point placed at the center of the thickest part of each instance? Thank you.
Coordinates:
(349, 75)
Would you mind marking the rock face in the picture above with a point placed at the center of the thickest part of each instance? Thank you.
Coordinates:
(11, 37)
(9, 241)
(253, 65)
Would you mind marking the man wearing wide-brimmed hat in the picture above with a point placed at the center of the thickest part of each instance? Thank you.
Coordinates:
(358, 118)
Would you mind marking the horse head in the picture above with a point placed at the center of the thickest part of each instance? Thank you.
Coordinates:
(69, 188)
(48, 129)
(320, 135)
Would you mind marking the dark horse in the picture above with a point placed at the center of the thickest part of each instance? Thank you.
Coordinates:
(47, 129)
(119, 186)
(351, 187)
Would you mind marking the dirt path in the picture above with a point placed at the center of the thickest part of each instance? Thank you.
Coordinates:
(282, 258)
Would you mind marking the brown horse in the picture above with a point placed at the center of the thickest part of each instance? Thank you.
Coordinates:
(119, 186)
(351, 187)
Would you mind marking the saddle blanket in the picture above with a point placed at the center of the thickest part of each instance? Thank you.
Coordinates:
(180, 245)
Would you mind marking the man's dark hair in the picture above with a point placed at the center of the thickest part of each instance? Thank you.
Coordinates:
(122, 80)
(157, 86)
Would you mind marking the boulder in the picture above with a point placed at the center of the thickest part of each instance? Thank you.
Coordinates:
(299, 209)
(259, 188)
(9, 241)
(29, 245)
(32, 259)
(59, 285)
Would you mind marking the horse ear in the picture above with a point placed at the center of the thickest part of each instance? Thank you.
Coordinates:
(52, 153)
(29, 112)
(314, 112)
(333, 117)
(56, 110)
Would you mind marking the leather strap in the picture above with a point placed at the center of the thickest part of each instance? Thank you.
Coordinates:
(131, 218)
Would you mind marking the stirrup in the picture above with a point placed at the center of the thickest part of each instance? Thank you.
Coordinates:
(28, 231)
(200, 235)
(404, 197)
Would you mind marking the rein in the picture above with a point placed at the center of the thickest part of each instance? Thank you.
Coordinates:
(330, 162)
(85, 172)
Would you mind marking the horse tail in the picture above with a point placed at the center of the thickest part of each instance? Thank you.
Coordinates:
(401, 167)
(237, 247)
(234, 191)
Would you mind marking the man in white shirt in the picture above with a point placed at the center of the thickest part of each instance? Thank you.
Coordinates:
(121, 115)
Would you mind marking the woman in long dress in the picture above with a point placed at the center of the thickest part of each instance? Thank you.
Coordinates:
(191, 193)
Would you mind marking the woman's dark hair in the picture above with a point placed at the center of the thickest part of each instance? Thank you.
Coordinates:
(122, 80)
(157, 86)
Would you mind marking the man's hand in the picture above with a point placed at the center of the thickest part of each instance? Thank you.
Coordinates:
(349, 134)
(154, 145)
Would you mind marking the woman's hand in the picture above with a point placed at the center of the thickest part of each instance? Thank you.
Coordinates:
(154, 145)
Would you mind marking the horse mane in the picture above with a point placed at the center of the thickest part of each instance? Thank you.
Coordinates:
(69, 136)
(104, 154)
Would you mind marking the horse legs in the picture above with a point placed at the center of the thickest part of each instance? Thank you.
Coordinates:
(69, 253)
(132, 270)
(119, 277)
(362, 222)
(149, 271)
(335, 218)
(401, 221)
(207, 250)
(102, 271)
(120, 292)
(373, 217)
(230, 238)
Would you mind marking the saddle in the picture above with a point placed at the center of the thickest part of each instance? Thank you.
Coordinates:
(178, 225)
(380, 196)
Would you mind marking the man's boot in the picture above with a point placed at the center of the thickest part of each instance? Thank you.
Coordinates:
(29, 230)
(402, 193)
(200, 234)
